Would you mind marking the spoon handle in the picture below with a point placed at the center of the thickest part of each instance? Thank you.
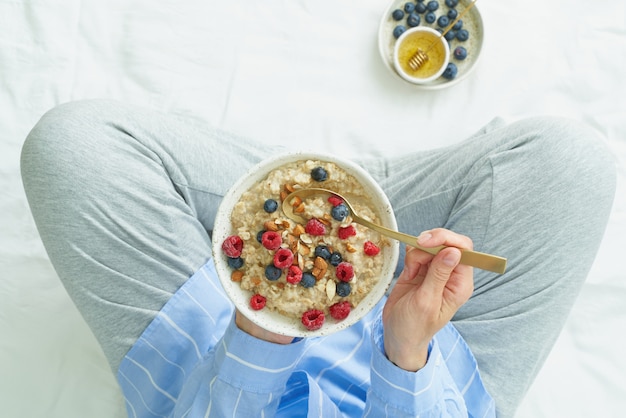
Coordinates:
(472, 258)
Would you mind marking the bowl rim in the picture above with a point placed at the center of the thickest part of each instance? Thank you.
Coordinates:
(273, 321)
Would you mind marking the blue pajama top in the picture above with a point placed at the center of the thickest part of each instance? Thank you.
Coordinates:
(193, 361)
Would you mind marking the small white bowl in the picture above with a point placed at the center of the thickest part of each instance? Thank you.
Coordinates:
(274, 321)
(427, 36)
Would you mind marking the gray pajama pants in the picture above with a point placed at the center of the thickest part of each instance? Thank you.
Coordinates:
(124, 200)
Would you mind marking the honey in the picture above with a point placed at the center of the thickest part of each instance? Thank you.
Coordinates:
(428, 42)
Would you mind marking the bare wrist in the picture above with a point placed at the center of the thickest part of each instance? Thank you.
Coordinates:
(410, 360)
(251, 328)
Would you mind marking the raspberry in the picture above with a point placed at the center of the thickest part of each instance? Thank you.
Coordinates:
(335, 200)
(340, 310)
(232, 246)
(313, 319)
(344, 271)
(345, 233)
(315, 227)
(370, 248)
(294, 275)
(257, 302)
(271, 240)
(283, 258)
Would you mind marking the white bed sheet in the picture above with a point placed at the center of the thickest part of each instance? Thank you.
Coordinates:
(308, 73)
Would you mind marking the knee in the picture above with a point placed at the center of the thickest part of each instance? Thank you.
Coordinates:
(572, 154)
(59, 138)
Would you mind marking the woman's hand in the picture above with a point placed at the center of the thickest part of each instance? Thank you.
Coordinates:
(427, 294)
(253, 329)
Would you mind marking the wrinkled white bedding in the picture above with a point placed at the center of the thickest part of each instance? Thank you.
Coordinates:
(305, 72)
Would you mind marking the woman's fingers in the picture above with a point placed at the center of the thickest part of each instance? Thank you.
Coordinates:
(441, 236)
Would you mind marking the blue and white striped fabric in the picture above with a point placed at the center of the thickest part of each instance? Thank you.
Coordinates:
(192, 361)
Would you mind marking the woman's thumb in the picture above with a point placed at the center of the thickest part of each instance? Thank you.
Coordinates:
(441, 268)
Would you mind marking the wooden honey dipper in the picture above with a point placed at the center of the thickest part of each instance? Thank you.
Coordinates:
(421, 56)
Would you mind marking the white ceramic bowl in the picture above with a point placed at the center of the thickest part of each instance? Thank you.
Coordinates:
(433, 37)
(472, 21)
(274, 321)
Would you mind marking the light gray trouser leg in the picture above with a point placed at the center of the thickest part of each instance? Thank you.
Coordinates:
(123, 199)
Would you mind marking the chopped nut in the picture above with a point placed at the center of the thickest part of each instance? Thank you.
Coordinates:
(293, 242)
(298, 230)
(331, 289)
(324, 220)
(300, 261)
(306, 238)
(289, 187)
(296, 201)
(236, 275)
(320, 266)
(350, 248)
(320, 263)
(270, 226)
(304, 249)
(300, 208)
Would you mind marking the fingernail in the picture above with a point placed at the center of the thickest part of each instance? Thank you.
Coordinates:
(424, 237)
(452, 258)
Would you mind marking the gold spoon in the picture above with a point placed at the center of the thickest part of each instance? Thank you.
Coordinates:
(468, 257)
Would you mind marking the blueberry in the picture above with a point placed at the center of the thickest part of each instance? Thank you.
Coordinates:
(452, 14)
(409, 7)
(430, 17)
(460, 53)
(458, 25)
(335, 259)
(235, 263)
(270, 206)
(420, 8)
(397, 14)
(432, 5)
(308, 280)
(413, 20)
(319, 174)
(339, 212)
(343, 289)
(259, 235)
(450, 71)
(450, 35)
(398, 30)
(272, 272)
(462, 35)
(452, 3)
(322, 251)
(443, 21)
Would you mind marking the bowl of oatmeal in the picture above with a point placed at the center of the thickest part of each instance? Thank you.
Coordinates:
(311, 277)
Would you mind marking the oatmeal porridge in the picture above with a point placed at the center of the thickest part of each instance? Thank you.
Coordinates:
(315, 271)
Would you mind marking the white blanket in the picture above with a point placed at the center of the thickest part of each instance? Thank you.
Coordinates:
(305, 72)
